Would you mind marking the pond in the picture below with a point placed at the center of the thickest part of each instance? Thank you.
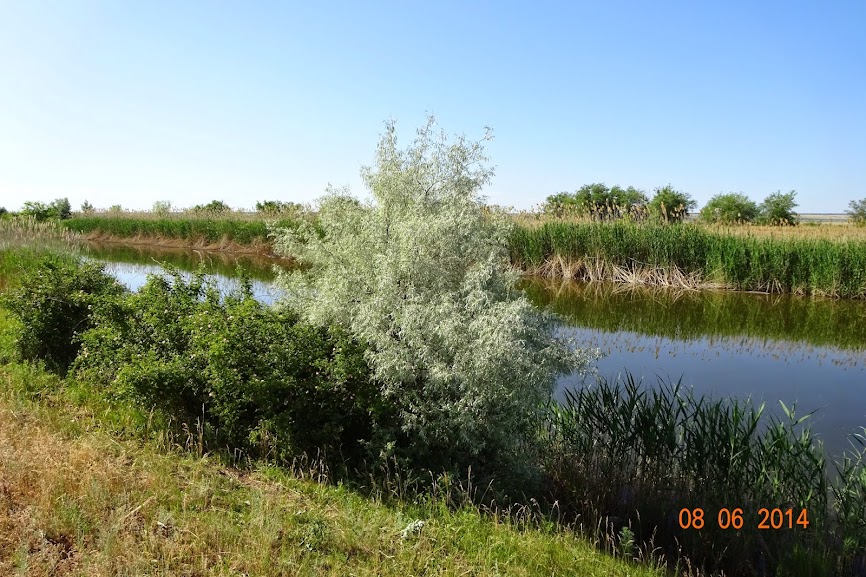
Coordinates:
(807, 352)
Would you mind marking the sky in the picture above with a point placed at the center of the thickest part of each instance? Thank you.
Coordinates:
(135, 102)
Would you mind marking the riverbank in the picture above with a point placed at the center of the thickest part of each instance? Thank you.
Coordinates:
(88, 489)
(821, 260)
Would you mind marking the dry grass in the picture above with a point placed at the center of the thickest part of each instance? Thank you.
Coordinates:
(76, 499)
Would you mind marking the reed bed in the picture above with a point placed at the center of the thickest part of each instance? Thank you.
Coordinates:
(208, 230)
(19, 229)
(624, 454)
(691, 256)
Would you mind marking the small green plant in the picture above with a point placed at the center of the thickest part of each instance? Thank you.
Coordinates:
(87, 208)
(729, 208)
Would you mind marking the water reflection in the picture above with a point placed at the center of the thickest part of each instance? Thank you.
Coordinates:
(804, 351)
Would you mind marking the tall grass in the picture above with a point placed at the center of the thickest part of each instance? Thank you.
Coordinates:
(692, 256)
(210, 229)
(19, 229)
(631, 455)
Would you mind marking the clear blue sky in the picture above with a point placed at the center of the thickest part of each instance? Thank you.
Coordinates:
(133, 102)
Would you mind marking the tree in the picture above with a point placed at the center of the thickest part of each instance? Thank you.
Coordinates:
(857, 211)
(61, 208)
(669, 205)
(420, 273)
(778, 209)
(730, 208)
(597, 201)
(86, 207)
(279, 207)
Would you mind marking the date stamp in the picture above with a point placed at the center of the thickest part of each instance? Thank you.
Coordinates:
(734, 518)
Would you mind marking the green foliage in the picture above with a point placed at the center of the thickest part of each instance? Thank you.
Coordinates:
(421, 275)
(597, 201)
(669, 205)
(857, 211)
(778, 209)
(115, 208)
(730, 208)
(86, 207)
(3, 211)
(55, 301)
(266, 382)
(59, 208)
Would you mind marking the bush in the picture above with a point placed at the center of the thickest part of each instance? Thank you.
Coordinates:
(778, 209)
(857, 211)
(280, 207)
(161, 207)
(669, 205)
(55, 302)
(60, 208)
(265, 381)
(421, 274)
(729, 208)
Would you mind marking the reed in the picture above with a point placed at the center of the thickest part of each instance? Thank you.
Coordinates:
(690, 255)
(636, 456)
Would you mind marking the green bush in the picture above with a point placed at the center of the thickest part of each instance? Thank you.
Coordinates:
(730, 208)
(263, 380)
(598, 202)
(60, 208)
(55, 302)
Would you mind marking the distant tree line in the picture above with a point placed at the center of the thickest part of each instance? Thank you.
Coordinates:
(600, 202)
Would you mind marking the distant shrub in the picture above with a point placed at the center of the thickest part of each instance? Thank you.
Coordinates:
(59, 208)
(857, 211)
(669, 205)
(778, 209)
(279, 207)
(265, 381)
(86, 207)
(55, 301)
(214, 206)
(115, 208)
(729, 208)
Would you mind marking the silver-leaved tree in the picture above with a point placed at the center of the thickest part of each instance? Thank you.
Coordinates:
(420, 273)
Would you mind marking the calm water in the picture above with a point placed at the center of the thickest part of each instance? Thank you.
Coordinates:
(803, 351)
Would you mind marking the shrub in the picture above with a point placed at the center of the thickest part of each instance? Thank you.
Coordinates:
(778, 209)
(59, 208)
(729, 208)
(421, 274)
(262, 379)
(55, 301)
(86, 207)
(857, 211)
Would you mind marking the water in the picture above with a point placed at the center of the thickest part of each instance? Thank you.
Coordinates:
(801, 351)
(806, 352)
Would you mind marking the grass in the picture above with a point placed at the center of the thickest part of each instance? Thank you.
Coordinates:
(207, 229)
(91, 488)
(692, 256)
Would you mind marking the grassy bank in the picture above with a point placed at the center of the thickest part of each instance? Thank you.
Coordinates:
(89, 486)
(691, 256)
